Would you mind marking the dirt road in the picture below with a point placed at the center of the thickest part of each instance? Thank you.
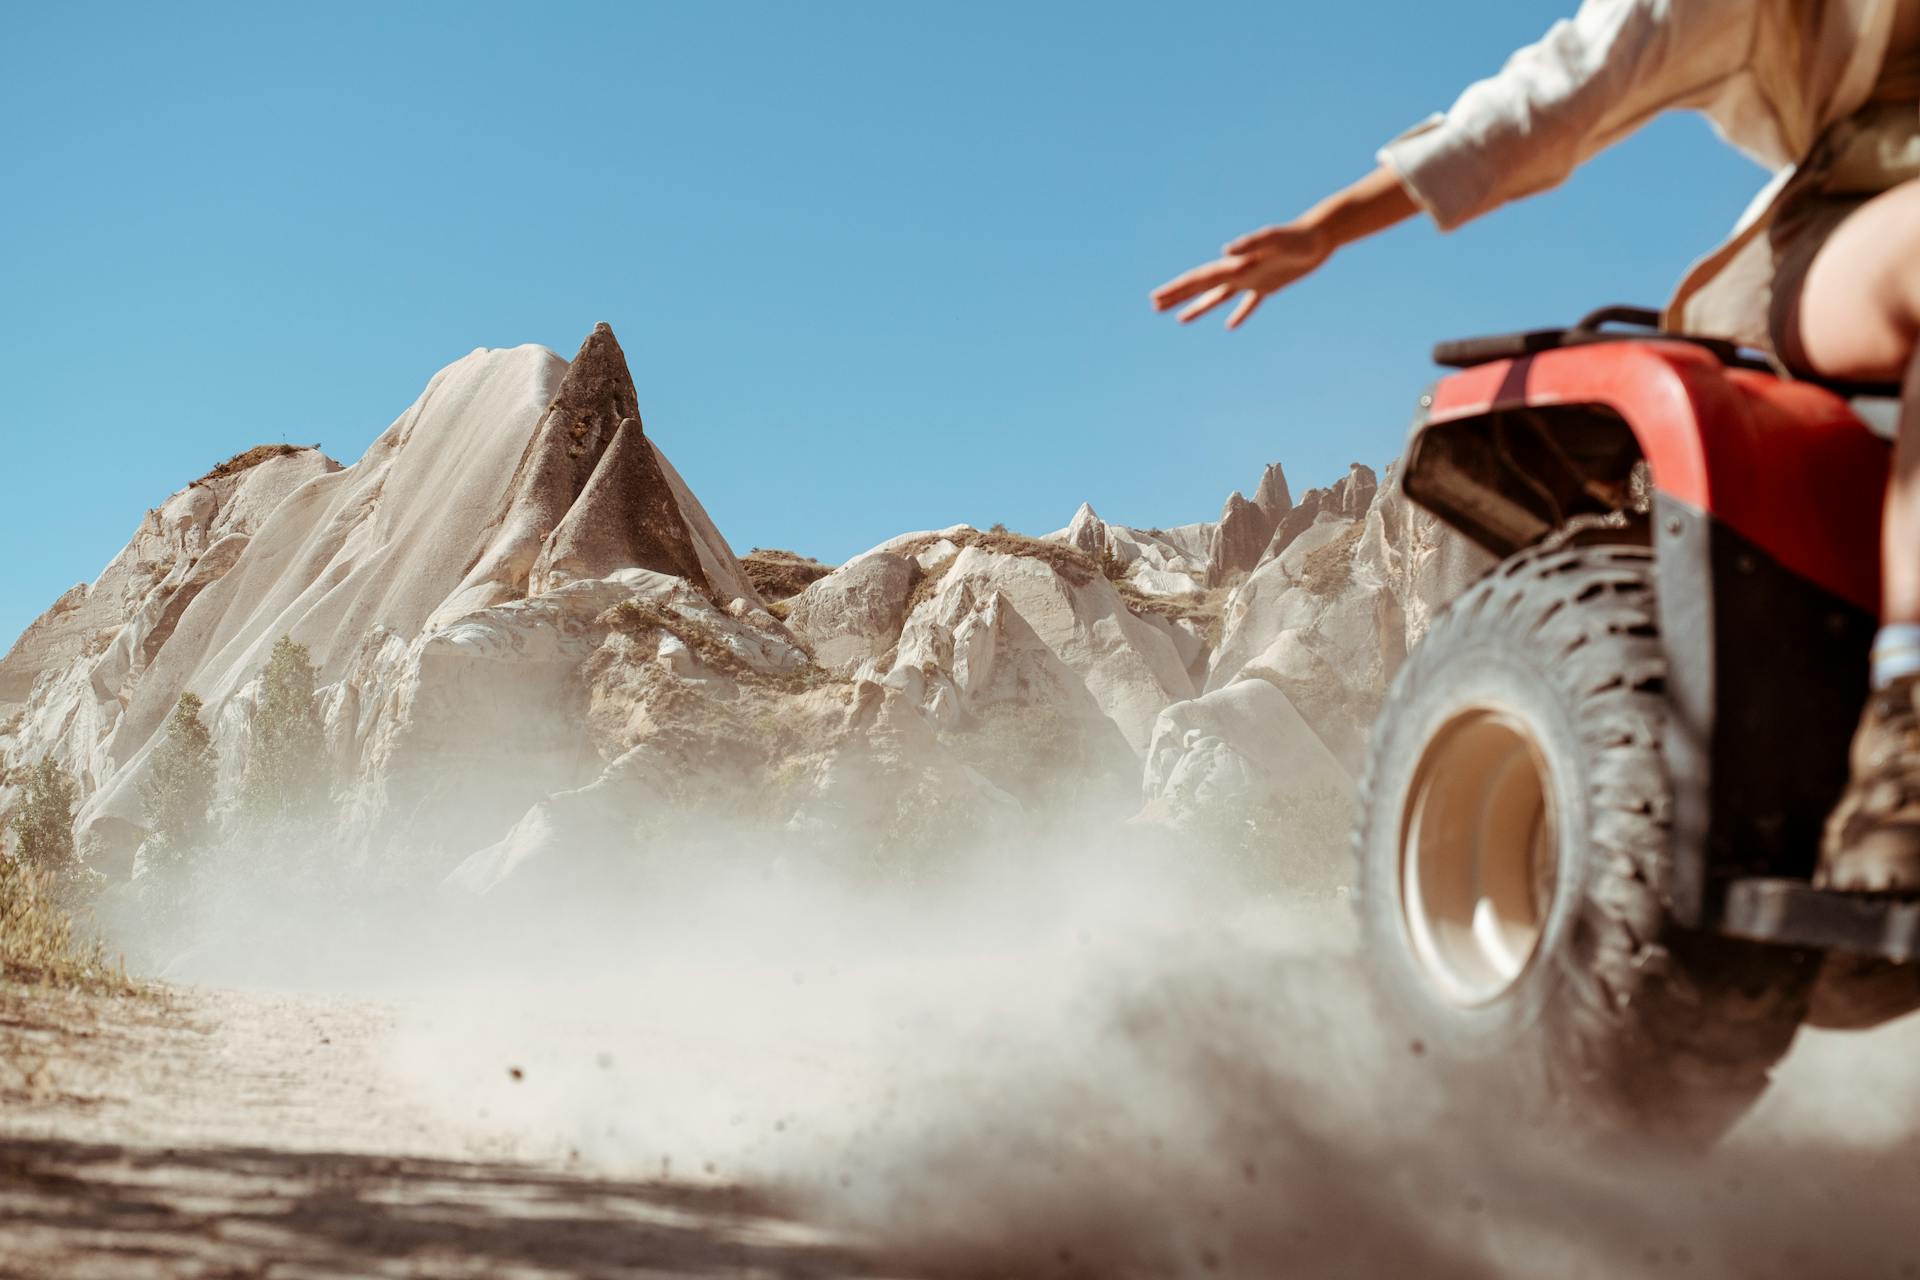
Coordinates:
(1122, 1105)
(194, 1133)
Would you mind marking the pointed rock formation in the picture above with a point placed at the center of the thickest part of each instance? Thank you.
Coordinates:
(1239, 540)
(448, 586)
(532, 641)
(1156, 562)
(1348, 499)
(594, 397)
(592, 495)
(1087, 531)
(625, 518)
(1273, 496)
(1353, 495)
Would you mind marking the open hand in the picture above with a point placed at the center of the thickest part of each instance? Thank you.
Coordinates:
(1252, 266)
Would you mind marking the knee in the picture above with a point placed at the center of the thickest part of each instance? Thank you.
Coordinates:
(1900, 280)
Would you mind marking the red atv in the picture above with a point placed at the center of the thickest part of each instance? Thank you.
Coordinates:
(1594, 797)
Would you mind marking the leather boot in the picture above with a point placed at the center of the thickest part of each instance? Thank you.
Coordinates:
(1872, 839)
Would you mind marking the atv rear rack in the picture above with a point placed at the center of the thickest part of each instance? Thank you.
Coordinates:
(1643, 326)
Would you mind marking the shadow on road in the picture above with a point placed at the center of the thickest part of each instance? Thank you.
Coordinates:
(76, 1209)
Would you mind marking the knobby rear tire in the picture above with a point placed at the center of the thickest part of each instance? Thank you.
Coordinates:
(1621, 1020)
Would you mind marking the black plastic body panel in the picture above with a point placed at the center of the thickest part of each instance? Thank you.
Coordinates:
(1766, 675)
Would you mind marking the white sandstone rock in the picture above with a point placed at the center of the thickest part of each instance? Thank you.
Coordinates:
(855, 613)
(1129, 666)
(1243, 742)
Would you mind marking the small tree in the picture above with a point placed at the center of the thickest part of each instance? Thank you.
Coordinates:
(178, 789)
(45, 823)
(286, 778)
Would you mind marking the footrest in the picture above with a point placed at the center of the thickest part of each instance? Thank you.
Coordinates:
(1794, 913)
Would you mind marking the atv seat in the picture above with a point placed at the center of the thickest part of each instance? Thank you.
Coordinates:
(1464, 353)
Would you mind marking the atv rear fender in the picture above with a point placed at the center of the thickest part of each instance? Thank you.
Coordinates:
(1765, 509)
(1510, 450)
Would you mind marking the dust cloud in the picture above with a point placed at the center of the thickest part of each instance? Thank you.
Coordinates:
(1101, 1051)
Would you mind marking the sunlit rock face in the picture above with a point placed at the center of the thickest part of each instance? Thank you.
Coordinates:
(531, 640)
(514, 476)
(855, 613)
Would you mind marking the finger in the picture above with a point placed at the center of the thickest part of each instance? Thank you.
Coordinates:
(1256, 241)
(1207, 302)
(1197, 281)
(1193, 283)
(1249, 303)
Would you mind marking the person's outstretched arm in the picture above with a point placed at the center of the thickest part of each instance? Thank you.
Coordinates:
(1590, 81)
(1274, 257)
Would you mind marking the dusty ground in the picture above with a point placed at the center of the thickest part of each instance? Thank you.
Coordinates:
(1009, 1109)
(202, 1133)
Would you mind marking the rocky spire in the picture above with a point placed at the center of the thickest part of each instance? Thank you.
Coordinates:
(1349, 498)
(1353, 494)
(1272, 496)
(1238, 540)
(592, 496)
(1087, 531)
(625, 517)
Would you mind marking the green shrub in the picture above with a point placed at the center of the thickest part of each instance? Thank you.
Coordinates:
(44, 826)
(286, 780)
(178, 790)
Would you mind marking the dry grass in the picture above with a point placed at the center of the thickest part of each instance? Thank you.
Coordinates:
(252, 458)
(1329, 569)
(1077, 567)
(1071, 563)
(779, 575)
(1203, 609)
(640, 617)
(39, 943)
(636, 616)
(926, 582)
(1208, 612)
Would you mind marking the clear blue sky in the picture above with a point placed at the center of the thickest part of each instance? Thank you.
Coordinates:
(877, 266)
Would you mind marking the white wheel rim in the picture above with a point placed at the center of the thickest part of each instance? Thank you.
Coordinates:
(1479, 855)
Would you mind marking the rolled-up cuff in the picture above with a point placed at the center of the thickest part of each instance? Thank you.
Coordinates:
(1440, 170)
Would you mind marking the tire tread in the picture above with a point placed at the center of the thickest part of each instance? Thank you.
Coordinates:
(1659, 1025)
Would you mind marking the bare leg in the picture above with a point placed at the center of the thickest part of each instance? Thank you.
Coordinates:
(1860, 318)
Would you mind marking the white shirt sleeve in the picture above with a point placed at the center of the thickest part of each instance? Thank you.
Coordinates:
(1590, 81)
